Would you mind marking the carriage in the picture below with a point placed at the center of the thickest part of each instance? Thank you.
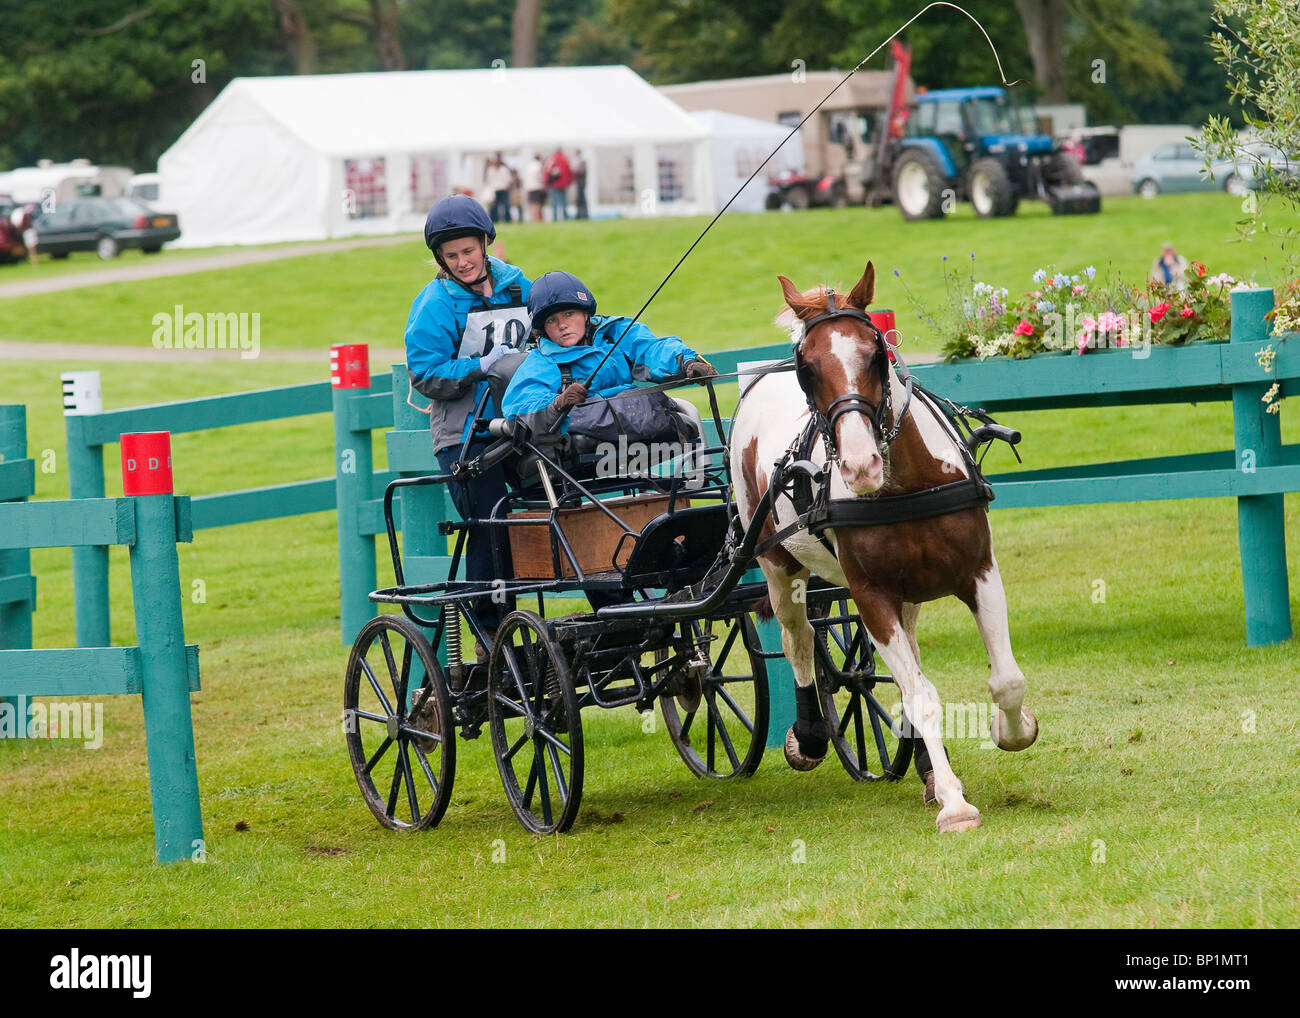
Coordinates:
(662, 550)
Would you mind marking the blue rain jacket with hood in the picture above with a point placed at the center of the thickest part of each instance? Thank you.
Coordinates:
(641, 357)
(448, 330)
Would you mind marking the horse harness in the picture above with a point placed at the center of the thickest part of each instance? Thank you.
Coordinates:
(816, 511)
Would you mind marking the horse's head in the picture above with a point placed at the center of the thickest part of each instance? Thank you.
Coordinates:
(843, 368)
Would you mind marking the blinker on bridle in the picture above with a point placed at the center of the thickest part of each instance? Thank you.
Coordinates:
(853, 402)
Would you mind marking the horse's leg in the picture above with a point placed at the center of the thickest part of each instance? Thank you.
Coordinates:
(1013, 727)
(884, 620)
(909, 614)
(809, 737)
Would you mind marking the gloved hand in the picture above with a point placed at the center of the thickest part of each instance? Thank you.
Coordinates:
(700, 368)
(573, 394)
(498, 351)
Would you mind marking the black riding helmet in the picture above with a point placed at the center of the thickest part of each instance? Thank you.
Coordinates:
(454, 217)
(559, 291)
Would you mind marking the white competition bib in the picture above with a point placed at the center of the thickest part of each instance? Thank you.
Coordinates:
(487, 327)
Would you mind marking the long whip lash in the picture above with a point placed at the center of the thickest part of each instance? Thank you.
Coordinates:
(793, 131)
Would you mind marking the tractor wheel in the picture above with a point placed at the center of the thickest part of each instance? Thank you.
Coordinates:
(799, 198)
(991, 193)
(919, 183)
(1064, 168)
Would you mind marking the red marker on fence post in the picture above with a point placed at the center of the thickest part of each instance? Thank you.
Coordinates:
(160, 634)
(353, 482)
(884, 321)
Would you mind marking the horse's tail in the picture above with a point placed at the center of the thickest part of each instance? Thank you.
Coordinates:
(763, 608)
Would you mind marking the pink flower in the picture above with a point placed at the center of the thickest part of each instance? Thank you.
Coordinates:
(1110, 322)
(1082, 342)
(1023, 329)
(1038, 293)
(1187, 312)
(1088, 324)
(1158, 312)
(1077, 289)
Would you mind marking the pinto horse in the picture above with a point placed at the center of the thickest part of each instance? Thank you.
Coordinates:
(884, 443)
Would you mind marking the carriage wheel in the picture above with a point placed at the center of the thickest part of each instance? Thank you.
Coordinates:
(868, 740)
(720, 729)
(397, 722)
(536, 729)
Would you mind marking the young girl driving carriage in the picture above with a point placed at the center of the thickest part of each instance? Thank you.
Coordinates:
(571, 342)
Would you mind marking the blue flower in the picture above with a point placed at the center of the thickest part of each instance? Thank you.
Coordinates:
(895, 272)
(1040, 275)
(1090, 272)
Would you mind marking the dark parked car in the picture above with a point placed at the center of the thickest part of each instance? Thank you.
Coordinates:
(105, 226)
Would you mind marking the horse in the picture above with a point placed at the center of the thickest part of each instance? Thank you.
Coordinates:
(883, 443)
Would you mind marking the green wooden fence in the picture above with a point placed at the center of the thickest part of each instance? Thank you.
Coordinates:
(1257, 471)
(160, 668)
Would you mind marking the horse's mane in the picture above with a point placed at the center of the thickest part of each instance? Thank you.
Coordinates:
(789, 322)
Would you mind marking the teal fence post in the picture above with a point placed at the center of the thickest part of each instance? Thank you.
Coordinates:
(1261, 530)
(81, 398)
(424, 550)
(160, 634)
(17, 585)
(353, 482)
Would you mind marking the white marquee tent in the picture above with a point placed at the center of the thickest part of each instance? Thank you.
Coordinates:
(313, 156)
(738, 145)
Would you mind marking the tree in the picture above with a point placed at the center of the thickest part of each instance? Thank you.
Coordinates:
(1257, 43)
(523, 36)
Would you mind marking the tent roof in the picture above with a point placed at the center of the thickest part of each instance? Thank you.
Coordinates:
(429, 111)
(721, 124)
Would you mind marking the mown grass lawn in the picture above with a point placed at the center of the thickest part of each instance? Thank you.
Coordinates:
(1161, 791)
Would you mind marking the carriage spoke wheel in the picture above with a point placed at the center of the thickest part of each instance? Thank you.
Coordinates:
(719, 727)
(868, 740)
(397, 724)
(535, 726)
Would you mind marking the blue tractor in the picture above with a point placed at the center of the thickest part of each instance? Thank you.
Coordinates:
(975, 144)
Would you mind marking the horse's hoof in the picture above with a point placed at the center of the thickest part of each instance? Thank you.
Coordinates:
(959, 818)
(1002, 738)
(928, 795)
(794, 757)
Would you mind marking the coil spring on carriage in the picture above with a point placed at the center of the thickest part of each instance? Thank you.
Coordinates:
(451, 629)
(552, 681)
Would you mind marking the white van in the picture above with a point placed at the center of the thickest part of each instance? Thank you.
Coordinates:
(145, 187)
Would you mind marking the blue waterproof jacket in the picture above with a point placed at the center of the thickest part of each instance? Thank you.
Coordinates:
(641, 357)
(449, 330)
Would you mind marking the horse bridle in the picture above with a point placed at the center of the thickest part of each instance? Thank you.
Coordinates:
(877, 413)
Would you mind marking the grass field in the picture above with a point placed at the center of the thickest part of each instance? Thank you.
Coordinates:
(1161, 791)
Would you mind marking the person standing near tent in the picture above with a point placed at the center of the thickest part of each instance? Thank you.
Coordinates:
(473, 314)
(534, 191)
(558, 175)
(580, 182)
(496, 179)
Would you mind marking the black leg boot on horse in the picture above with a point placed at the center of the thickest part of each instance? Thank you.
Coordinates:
(809, 737)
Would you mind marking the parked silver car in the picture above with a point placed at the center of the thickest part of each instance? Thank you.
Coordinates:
(1181, 167)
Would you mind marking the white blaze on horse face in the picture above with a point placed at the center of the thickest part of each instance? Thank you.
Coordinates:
(861, 465)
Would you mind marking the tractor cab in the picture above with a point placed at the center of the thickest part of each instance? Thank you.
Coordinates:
(981, 145)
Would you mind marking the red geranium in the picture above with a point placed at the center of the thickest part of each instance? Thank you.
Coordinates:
(1198, 268)
(1158, 312)
(1187, 312)
(1024, 329)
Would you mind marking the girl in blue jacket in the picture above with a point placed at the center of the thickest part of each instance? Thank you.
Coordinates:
(571, 340)
(474, 313)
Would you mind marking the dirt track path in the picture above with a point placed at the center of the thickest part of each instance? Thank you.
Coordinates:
(184, 266)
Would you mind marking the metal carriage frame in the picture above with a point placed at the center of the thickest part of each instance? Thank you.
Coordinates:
(684, 638)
